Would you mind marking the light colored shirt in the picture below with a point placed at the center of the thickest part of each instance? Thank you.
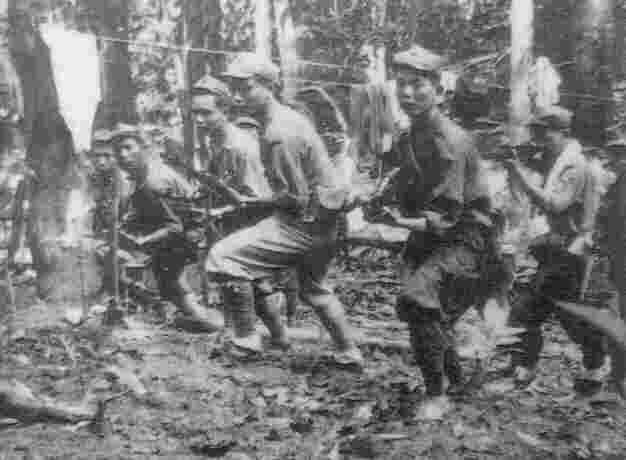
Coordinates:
(297, 163)
(565, 191)
(238, 162)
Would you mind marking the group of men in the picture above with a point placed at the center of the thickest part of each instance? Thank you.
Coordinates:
(451, 260)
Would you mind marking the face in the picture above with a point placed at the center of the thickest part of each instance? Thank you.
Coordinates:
(251, 93)
(129, 155)
(416, 92)
(103, 157)
(206, 113)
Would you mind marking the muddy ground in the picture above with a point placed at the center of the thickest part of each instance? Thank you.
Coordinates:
(184, 396)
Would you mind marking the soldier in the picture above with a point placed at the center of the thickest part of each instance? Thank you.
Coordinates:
(103, 170)
(157, 228)
(235, 154)
(236, 158)
(562, 253)
(451, 252)
(302, 231)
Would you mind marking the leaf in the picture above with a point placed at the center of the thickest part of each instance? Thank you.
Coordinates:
(128, 378)
(530, 440)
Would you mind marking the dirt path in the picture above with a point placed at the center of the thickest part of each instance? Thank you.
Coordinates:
(182, 396)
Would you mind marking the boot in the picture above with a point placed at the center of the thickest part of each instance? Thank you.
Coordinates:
(330, 312)
(239, 299)
(268, 310)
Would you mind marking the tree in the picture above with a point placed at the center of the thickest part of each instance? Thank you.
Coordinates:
(521, 61)
(50, 153)
(110, 18)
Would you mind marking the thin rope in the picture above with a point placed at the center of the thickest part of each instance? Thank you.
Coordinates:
(217, 52)
(318, 64)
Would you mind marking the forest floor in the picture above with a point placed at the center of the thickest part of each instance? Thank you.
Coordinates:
(185, 396)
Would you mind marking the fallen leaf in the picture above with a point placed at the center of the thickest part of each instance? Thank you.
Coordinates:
(128, 378)
(390, 436)
(74, 316)
(530, 440)
(365, 412)
(212, 448)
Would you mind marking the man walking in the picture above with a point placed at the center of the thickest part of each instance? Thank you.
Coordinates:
(450, 261)
(303, 229)
(563, 253)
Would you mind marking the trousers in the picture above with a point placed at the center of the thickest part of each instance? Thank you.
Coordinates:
(441, 281)
(559, 275)
(278, 243)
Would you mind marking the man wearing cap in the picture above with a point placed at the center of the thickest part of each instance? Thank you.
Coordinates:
(103, 162)
(563, 253)
(302, 231)
(234, 152)
(450, 261)
(155, 226)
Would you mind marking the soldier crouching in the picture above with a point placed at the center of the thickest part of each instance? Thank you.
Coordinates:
(155, 227)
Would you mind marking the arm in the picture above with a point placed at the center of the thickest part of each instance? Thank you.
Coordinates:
(419, 224)
(170, 223)
(554, 200)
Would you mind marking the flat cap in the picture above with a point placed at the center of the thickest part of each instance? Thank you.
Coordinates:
(247, 122)
(101, 136)
(420, 59)
(554, 117)
(210, 85)
(247, 65)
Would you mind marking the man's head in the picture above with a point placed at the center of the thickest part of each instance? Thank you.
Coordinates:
(550, 127)
(253, 81)
(418, 80)
(102, 152)
(209, 103)
(129, 147)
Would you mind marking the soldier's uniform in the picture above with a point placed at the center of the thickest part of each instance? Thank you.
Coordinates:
(297, 165)
(443, 274)
(149, 210)
(562, 264)
(102, 183)
(152, 207)
(236, 159)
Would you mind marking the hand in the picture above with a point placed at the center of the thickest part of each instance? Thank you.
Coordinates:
(394, 213)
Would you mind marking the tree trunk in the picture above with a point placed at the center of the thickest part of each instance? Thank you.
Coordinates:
(118, 90)
(591, 79)
(619, 20)
(521, 62)
(288, 48)
(262, 28)
(416, 9)
(50, 154)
